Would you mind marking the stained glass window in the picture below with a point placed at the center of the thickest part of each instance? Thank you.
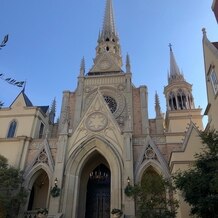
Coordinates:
(111, 102)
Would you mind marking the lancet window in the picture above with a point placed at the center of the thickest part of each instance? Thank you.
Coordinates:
(12, 129)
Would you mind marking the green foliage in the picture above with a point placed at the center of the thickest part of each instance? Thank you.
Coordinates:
(55, 192)
(199, 185)
(12, 194)
(151, 198)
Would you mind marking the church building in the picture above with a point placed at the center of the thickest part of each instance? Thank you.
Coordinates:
(104, 139)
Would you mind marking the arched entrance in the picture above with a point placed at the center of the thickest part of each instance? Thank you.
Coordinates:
(95, 188)
(83, 161)
(39, 191)
(98, 193)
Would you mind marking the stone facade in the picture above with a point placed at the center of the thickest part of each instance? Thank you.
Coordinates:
(103, 128)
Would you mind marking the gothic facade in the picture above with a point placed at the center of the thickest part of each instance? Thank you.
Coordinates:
(104, 139)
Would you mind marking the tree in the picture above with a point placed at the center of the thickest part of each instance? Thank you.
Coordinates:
(12, 193)
(153, 197)
(199, 184)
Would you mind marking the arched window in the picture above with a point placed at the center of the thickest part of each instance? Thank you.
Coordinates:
(172, 101)
(41, 130)
(12, 128)
(181, 100)
(151, 194)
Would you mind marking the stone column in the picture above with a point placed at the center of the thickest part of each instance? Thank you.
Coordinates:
(144, 109)
(54, 203)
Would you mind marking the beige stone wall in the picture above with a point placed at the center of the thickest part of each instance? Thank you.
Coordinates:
(10, 149)
(183, 160)
(137, 122)
(211, 63)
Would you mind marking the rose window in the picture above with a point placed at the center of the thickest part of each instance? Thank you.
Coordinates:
(111, 102)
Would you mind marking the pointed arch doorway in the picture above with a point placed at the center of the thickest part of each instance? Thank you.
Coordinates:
(95, 188)
(39, 191)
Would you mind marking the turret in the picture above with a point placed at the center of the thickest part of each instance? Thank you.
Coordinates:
(178, 92)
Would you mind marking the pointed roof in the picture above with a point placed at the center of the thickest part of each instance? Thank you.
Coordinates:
(108, 24)
(175, 73)
(26, 100)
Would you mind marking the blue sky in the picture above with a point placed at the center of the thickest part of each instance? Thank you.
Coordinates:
(48, 38)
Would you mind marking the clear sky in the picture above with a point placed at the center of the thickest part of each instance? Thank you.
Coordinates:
(48, 38)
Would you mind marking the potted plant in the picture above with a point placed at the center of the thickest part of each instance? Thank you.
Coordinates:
(116, 213)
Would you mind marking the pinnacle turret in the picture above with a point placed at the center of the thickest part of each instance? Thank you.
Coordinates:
(128, 66)
(82, 67)
(52, 111)
(157, 106)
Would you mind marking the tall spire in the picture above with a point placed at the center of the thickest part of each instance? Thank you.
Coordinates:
(175, 73)
(108, 29)
(108, 53)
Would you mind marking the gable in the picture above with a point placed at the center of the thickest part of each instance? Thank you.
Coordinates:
(97, 121)
(21, 101)
(192, 144)
(105, 63)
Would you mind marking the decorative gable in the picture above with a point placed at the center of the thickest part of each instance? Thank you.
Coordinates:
(105, 63)
(97, 121)
(151, 156)
(43, 156)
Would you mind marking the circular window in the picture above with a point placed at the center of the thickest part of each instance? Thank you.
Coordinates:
(111, 102)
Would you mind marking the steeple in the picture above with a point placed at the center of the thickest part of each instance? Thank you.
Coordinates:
(108, 53)
(175, 74)
(178, 92)
(108, 29)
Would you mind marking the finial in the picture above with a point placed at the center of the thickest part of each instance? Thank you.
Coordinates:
(24, 86)
(128, 66)
(82, 67)
(204, 31)
(170, 45)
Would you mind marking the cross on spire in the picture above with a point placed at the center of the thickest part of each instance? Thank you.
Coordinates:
(170, 45)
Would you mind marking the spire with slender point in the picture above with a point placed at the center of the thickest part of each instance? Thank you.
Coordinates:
(108, 29)
(52, 111)
(157, 106)
(108, 52)
(82, 67)
(175, 73)
(128, 66)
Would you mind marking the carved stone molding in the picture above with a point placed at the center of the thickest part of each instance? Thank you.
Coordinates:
(96, 121)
